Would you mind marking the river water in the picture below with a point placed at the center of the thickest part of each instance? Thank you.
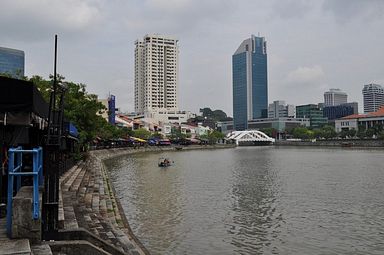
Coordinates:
(255, 200)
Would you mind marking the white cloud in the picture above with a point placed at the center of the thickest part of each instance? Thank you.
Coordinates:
(306, 75)
(352, 10)
(29, 20)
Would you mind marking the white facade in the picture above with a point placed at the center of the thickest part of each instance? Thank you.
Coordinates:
(169, 116)
(278, 109)
(335, 97)
(373, 96)
(156, 73)
(346, 124)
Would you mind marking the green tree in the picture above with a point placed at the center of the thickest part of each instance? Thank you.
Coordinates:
(271, 132)
(381, 135)
(214, 135)
(157, 135)
(176, 134)
(351, 133)
(328, 132)
(80, 108)
(302, 133)
(370, 132)
(142, 133)
(361, 132)
(378, 128)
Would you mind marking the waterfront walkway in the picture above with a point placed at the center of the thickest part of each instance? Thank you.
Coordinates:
(87, 201)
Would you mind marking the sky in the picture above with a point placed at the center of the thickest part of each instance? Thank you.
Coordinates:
(312, 45)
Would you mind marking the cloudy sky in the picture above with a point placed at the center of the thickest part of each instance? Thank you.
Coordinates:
(313, 45)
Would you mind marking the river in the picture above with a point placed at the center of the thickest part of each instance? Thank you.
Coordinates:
(255, 200)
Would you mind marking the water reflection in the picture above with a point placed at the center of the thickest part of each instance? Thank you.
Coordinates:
(254, 192)
(154, 201)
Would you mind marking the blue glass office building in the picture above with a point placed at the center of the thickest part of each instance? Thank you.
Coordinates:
(12, 62)
(250, 82)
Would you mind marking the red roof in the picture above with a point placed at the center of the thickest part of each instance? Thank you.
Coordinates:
(378, 113)
(354, 116)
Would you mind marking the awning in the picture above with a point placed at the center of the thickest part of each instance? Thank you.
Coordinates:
(138, 139)
(21, 96)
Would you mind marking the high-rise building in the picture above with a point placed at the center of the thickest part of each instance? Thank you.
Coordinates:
(278, 109)
(250, 82)
(156, 73)
(12, 62)
(335, 97)
(373, 96)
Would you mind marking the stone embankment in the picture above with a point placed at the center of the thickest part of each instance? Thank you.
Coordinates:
(88, 202)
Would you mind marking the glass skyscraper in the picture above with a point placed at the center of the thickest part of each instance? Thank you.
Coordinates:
(250, 82)
(12, 62)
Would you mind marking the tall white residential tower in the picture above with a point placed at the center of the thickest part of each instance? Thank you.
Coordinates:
(156, 73)
(335, 97)
(373, 96)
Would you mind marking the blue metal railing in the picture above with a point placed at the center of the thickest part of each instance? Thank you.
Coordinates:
(15, 164)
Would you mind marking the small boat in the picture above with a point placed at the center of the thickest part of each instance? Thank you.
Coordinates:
(346, 144)
(164, 162)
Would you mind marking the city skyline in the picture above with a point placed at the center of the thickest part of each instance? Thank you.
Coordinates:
(313, 45)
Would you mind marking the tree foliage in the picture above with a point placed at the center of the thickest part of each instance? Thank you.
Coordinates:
(142, 133)
(216, 115)
(80, 108)
(271, 132)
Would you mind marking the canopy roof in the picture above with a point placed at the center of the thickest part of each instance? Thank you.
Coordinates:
(21, 96)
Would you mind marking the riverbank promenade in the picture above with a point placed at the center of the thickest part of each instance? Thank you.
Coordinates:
(87, 201)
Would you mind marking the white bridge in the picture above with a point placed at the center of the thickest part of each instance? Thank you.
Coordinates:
(250, 137)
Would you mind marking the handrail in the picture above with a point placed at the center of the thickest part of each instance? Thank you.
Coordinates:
(15, 164)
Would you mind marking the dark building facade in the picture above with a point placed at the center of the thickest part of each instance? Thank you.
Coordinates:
(111, 109)
(12, 62)
(250, 82)
(339, 111)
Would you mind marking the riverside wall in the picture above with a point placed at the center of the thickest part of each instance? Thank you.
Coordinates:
(365, 143)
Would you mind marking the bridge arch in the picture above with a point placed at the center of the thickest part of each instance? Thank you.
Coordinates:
(250, 137)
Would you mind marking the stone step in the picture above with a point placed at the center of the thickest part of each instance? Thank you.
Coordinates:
(41, 249)
(68, 184)
(15, 246)
(85, 180)
(76, 184)
(3, 228)
(83, 186)
(70, 221)
(64, 178)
